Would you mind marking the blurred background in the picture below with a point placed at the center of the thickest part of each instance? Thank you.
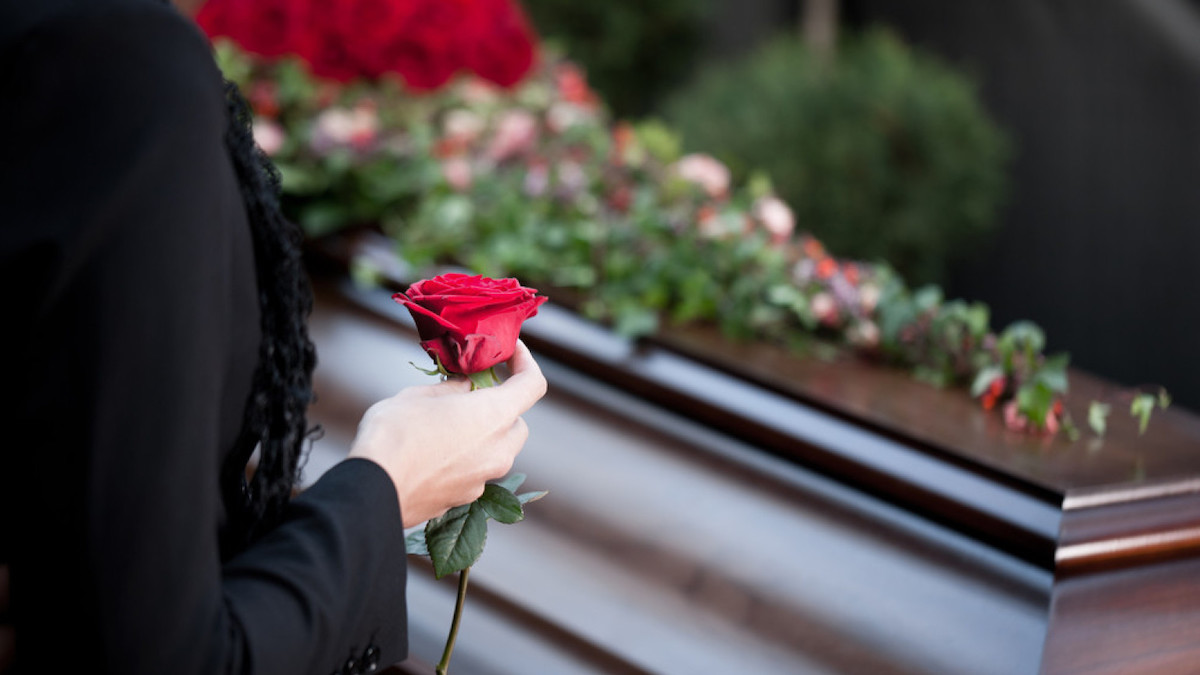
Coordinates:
(1091, 183)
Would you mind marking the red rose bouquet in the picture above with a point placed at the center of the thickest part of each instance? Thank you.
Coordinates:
(424, 41)
(468, 325)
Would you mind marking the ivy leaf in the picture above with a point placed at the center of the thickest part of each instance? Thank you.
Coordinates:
(414, 543)
(1034, 400)
(456, 538)
(1026, 334)
(1053, 373)
(984, 379)
(501, 504)
(1098, 417)
(1142, 406)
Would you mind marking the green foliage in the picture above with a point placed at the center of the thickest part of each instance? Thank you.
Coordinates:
(455, 540)
(633, 234)
(632, 50)
(885, 153)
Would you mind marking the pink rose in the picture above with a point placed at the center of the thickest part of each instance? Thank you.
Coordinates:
(705, 171)
(516, 133)
(776, 218)
(457, 172)
(825, 308)
(268, 135)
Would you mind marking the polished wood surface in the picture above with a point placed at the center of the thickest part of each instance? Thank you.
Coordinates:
(1111, 524)
(1143, 619)
(931, 451)
(666, 547)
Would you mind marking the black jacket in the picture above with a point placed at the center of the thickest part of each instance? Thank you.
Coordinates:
(130, 333)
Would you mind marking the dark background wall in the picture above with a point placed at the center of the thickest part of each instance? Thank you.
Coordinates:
(1099, 242)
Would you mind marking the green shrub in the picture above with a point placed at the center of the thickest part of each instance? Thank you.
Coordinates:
(632, 50)
(883, 152)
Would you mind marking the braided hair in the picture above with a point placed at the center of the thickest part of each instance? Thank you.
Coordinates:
(281, 390)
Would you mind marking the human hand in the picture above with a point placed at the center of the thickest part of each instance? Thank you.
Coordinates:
(441, 443)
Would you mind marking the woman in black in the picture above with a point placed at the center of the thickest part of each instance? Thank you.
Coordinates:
(154, 336)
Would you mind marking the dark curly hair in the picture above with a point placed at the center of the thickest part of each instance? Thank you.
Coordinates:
(275, 419)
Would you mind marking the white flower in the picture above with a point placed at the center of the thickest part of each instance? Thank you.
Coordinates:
(824, 307)
(563, 115)
(864, 334)
(776, 218)
(705, 171)
(868, 297)
(462, 125)
(268, 135)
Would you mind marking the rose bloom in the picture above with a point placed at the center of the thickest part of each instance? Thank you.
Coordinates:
(705, 171)
(264, 27)
(469, 323)
(868, 297)
(572, 85)
(516, 133)
(864, 334)
(457, 172)
(462, 125)
(776, 218)
(562, 116)
(340, 127)
(497, 41)
(824, 307)
(268, 135)
(1013, 419)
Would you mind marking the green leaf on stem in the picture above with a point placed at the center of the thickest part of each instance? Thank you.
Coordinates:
(511, 482)
(526, 497)
(414, 543)
(1164, 398)
(1098, 417)
(1142, 406)
(501, 504)
(456, 538)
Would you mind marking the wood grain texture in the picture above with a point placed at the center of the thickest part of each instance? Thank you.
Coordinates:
(1144, 619)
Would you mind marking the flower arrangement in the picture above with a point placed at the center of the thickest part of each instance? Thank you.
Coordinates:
(532, 179)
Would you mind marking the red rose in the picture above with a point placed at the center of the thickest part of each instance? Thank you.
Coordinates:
(427, 48)
(469, 323)
(264, 27)
(499, 43)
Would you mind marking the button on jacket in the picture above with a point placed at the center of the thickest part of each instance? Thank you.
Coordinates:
(130, 334)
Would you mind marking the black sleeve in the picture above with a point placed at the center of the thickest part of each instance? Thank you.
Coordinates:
(131, 334)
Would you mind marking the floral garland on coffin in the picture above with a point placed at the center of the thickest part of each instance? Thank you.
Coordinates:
(439, 123)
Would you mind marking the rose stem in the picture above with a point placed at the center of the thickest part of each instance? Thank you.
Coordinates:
(444, 665)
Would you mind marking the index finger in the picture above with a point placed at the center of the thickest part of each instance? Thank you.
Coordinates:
(525, 386)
